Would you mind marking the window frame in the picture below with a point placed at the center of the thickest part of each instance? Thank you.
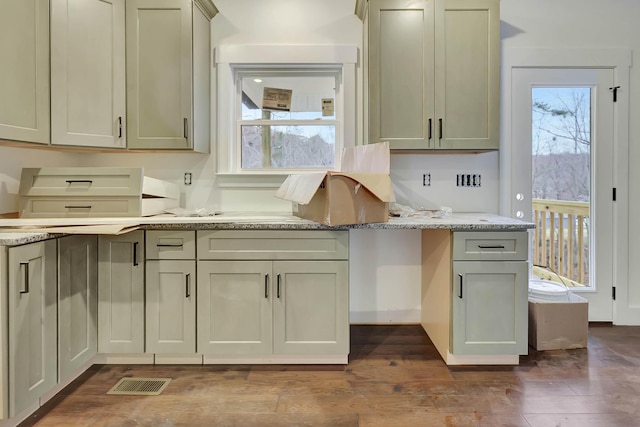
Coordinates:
(343, 58)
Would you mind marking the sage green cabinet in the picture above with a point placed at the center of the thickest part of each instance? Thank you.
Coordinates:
(88, 73)
(77, 302)
(32, 323)
(168, 74)
(433, 74)
(24, 61)
(121, 293)
(489, 293)
(279, 307)
(170, 309)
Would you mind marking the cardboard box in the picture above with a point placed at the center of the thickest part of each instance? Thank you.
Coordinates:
(558, 325)
(357, 194)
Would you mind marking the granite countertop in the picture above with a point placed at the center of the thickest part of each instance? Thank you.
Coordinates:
(21, 231)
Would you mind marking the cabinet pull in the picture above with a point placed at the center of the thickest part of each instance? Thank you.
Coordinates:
(440, 136)
(185, 129)
(188, 285)
(460, 291)
(169, 245)
(25, 290)
(491, 246)
(135, 254)
(77, 206)
(430, 132)
(119, 127)
(266, 286)
(74, 181)
(278, 287)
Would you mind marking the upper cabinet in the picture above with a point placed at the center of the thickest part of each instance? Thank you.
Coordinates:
(168, 74)
(433, 73)
(24, 61)
(88, 73)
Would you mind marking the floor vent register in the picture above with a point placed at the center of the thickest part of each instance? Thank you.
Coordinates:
(133, 386)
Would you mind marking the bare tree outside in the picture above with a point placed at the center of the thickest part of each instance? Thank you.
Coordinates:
(561, 144)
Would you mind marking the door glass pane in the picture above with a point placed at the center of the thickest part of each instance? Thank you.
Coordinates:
(561, 153)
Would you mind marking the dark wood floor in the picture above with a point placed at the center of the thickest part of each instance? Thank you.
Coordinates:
(394, 378)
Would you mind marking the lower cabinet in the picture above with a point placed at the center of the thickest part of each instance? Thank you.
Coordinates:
(32, 323)
(489, 311)
(77, 302)
(170, 308)
(279, 307)
(121, 293)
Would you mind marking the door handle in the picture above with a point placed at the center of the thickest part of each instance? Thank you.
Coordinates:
(25, 289)
(430, 131)
(266, 286)
(188, 285)
(135, 254)
(460, 290)
(278, 287)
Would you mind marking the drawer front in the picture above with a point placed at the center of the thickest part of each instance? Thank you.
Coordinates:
(492, 246)
(162, 244)
(81, 181)
(276, 245)
(78, 207)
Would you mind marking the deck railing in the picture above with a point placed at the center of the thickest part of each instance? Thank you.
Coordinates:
(561, 237)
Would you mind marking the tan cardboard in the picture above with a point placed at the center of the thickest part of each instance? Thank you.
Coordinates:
(358, 195)
(559, 325)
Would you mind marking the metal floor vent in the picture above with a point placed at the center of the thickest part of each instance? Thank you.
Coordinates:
(133, 386)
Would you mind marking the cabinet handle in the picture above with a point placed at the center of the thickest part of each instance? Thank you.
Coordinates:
(188, 285)
(278, 287)
(430, 132)
(135, 254)
(491, 246)
(185, 128)
(266, 286)
(77, 206)
(440, 136)
(119, 127)
(169, 245)
(25, 290)
(460, 291)
(73, 181)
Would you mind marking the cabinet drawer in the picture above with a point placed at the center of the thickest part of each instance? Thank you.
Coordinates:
(268, 244)
(78, 207)
(161, 244)
(478, 245)
(81, 181)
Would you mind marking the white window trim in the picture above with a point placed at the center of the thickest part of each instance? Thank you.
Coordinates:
(229, 57)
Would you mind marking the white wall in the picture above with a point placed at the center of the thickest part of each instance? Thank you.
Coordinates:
(389, 291)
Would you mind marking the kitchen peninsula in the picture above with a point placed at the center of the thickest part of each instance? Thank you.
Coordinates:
(238, 288)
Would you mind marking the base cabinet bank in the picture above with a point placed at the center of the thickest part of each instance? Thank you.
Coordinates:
(235, 294)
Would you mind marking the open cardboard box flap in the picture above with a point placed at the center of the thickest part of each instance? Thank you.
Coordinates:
(301, 188)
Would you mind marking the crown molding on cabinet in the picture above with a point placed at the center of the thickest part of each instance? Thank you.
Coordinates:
(361, 8)
(207, 7)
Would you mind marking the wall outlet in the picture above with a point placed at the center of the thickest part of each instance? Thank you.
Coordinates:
(468, 180)
(426, 180)
(187, 178)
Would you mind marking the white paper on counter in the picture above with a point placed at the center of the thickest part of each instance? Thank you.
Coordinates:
(371, 158)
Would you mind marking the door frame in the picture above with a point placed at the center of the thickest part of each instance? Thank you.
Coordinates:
(618, 59)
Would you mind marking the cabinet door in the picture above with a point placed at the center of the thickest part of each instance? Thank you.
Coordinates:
(489, 307)
(32, 323)
(467, 74)
(401, 73)
(311, 307)
(159, 75)
(121, 293)
(77, 302)
(171, 306)
(88, 73)
(234, 307)
(24, 61)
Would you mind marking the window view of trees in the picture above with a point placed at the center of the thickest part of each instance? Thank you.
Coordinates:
(561, 138)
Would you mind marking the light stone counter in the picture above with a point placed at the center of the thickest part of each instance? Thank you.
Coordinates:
(16, 231)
